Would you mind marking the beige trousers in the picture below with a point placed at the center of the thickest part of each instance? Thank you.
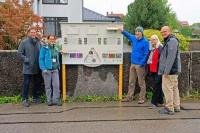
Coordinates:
(171, 92)
(137, 72)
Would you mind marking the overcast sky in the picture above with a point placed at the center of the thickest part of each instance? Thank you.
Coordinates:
(188, 10)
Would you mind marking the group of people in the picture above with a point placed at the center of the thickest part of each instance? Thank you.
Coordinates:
(161, 60)
(40, 55)
(163, 65)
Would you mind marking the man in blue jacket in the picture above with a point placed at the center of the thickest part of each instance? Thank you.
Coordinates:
(140, 50)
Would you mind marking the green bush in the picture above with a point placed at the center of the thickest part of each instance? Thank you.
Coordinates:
(184, 42)
(182, 39)
(148, 33)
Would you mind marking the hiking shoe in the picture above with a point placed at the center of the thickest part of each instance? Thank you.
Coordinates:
(177, 110)
(140, 101)
(166, 111)
(25, 103)
(126, 100)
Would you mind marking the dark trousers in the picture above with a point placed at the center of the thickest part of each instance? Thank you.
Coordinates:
(157, 97)
(36, 85)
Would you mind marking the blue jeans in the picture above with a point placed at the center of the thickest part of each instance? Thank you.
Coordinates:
(36, 85)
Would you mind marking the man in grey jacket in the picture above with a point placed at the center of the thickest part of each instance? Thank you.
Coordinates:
(28, 52)
(169, 68)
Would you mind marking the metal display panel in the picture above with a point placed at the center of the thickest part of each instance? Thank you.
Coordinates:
(92, 44)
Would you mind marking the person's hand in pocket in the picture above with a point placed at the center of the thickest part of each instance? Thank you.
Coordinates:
(45, 71)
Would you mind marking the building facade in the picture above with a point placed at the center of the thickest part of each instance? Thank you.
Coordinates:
(56, 11)
(72, 11)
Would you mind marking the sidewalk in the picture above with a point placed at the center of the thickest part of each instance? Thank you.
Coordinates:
(115, 117)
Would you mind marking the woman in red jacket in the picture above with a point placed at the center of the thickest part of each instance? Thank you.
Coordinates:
(152, 62)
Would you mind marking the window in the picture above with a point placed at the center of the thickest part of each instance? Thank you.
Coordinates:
(105, 41)
(85, 41)
(52, 25)
(65, 41)
(79, 41)
(55, 1)
(99, 41)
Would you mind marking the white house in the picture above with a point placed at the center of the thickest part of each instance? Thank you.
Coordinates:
(72, 11)
(55, 11)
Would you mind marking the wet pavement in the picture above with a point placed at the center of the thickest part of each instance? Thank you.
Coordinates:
(109, 117)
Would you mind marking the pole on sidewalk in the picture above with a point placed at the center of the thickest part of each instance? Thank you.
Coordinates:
(120, 81)
(64, 84)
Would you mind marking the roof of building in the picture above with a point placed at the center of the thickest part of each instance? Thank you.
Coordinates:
(184, 23)
(117, 16)
(89, 15)
(121, 15)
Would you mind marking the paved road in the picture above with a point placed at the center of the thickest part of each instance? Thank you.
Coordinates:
(112, 117)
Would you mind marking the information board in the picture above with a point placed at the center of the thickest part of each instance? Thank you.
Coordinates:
(92, 44)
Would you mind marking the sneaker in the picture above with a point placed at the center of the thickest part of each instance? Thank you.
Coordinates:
(177, 110)
(25, 103)
(140, 101)
(126, 100)
(152, 106)
(58, 103)
(49, 103)
(166, 111)
(36, 101)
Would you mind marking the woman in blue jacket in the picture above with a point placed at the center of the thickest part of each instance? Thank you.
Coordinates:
(49, 64)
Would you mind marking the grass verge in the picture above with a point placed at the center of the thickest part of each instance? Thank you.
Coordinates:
(194, 95)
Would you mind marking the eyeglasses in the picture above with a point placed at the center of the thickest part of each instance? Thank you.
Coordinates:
(153, 39)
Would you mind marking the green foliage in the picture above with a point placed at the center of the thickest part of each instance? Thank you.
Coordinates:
(186, 31)
(183, 42)
(194, 95)
(151, 14)
(13, 99)
(172, 20)
(149, 95)
(93, 98)
(148, 33)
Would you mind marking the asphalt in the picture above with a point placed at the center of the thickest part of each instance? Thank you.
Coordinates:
(109, 117)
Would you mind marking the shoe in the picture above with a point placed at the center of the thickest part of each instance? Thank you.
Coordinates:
(25, 103)
(140, 101)
(177, 110)
(152, 106)
(49, 103)
(36, 101)
(166, 111)
(126, 100)
(58, 103)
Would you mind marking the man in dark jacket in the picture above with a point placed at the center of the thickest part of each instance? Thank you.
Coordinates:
(28, 52)
(169, 68)
(140, 50)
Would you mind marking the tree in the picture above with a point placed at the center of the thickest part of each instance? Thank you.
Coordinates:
(15, 19)
(151, 14)
(186, 31)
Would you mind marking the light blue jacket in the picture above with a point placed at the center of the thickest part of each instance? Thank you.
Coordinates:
(140, 49)
(45, 61)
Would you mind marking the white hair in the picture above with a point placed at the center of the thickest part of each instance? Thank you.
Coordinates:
(156, 37)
